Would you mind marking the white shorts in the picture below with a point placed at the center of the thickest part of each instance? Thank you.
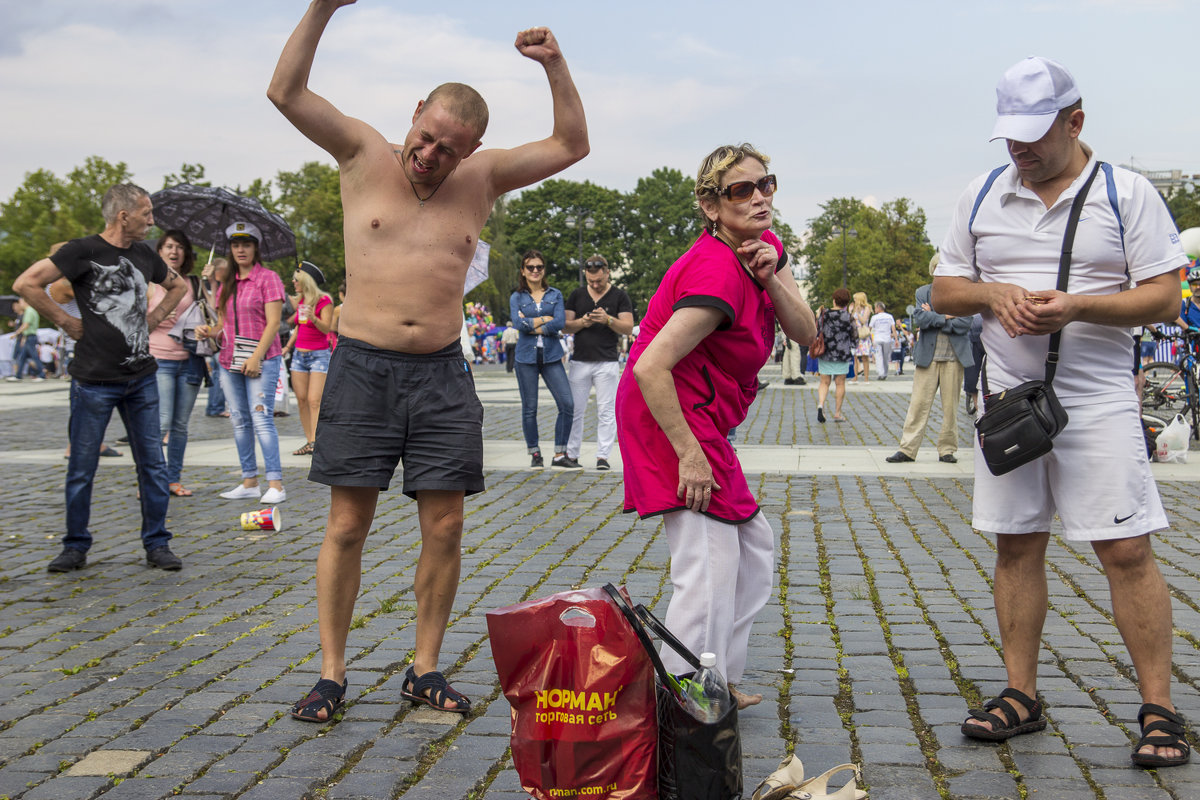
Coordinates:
(1097, 479)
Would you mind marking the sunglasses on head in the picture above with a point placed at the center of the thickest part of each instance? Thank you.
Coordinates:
(595, 266)
(740, 191)
(535, 267)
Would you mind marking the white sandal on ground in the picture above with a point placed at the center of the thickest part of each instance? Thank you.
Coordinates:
(780, 783)
(818, 788)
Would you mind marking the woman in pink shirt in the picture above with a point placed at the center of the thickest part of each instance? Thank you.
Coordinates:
(180, 372)
(693, 373)
(311, 326)
(249, 309)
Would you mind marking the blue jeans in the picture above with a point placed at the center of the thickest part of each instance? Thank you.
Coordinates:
(26, 351)
(216, 395)
(252, 412)
(92, 405)
(560, 389)
(178, 385)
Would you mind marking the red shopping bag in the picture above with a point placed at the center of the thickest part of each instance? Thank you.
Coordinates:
(582, 693)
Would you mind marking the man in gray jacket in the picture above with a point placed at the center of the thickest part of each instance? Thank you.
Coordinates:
(942, 352)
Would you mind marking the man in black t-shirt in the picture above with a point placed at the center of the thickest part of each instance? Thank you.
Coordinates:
(113, 368)
(598, 314)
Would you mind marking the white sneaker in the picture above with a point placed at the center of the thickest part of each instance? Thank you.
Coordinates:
(273, 496)
(241, 492)
(38, 380)
(12, 379)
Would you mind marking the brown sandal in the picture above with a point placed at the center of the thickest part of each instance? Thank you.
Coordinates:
(178, 490)
(306, 450)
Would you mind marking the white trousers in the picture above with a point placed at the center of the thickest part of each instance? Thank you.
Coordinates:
(604, 375)
(883, 358)
(723, 575)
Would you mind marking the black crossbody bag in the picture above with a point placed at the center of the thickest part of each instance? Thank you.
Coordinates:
(1019, 424)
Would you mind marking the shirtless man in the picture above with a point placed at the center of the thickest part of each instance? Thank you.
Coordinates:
(413, 212)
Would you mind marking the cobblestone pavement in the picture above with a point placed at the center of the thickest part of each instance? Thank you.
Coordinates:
(124, 682)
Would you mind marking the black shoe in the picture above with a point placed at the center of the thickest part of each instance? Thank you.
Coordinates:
(948, 459)
(602, 463)
(566, 462)
(800, 381)
(123, 439)
(820, 414)
(899, 457)
(163, 558)
(67, 560)
(762, 385)
(536, 461)
(789, 381)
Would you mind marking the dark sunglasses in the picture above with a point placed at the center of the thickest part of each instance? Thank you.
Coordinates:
(535, 267)
(741, 191)
(595, 266)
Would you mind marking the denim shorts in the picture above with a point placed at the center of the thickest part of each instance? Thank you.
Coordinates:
(310, 361)
(382, 408)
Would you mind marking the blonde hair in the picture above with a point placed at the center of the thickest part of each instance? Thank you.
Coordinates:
(308, 289)
(714, 166)
(860, 300)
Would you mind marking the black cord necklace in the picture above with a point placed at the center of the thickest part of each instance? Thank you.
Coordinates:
(420, 199)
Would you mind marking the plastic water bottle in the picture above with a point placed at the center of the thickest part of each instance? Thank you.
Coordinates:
(706, 694)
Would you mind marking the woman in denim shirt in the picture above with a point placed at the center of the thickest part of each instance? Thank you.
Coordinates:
(537, 313)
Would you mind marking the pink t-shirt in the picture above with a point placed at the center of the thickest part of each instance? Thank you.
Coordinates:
(249, 319)
(716, 382)
(162, 346)
(308, 335)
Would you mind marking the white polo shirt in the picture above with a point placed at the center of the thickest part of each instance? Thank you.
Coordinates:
(1016, 239)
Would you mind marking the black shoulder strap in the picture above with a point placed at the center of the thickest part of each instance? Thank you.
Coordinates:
(1064, 273)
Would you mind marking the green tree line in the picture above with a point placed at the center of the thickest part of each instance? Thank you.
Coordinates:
(882, 251)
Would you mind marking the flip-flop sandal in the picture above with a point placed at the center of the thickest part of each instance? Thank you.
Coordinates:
(1010, 724)
(108, 451)
(440, 691)
(178, 490)
(1165, 732)
(326, 695)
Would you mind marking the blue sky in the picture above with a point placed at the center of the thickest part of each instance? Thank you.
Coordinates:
(867, 99)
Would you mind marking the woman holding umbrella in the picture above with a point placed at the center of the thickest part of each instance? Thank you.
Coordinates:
(249, 310)
(180, 372)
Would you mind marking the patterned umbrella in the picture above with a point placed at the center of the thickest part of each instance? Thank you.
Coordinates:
(204, 212)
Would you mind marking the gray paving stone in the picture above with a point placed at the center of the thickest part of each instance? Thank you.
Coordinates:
(199, 666)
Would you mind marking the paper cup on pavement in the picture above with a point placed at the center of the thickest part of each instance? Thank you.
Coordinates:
(266, 519)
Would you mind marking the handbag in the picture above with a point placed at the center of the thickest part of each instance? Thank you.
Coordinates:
(817, 348)
(864, 332)
(581, 689)
(696, 760)
(1019, 424)
(243, 346)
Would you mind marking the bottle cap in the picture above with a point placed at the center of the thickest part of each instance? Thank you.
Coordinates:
(708, 659)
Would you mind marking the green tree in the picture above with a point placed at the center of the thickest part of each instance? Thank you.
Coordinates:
(188, 173)
(660, 223)
(503, 263)
(886, 253)
(538, 220)
(1184, 203)
(46, 209)
(310, 200)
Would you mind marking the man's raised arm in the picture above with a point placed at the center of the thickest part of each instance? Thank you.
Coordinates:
(568, 143)
(313, 115)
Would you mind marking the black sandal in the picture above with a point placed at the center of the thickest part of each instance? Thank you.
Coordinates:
(326, 695)
(440, 691)
(1166, 732)
(1010, 724)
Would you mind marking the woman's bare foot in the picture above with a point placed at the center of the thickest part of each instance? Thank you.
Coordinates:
(744, 700)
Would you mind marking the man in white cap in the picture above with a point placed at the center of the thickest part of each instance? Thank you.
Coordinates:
(398, 385)
(1001, 259)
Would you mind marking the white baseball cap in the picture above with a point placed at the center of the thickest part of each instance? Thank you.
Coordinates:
(240, 229)
(1029, 97)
